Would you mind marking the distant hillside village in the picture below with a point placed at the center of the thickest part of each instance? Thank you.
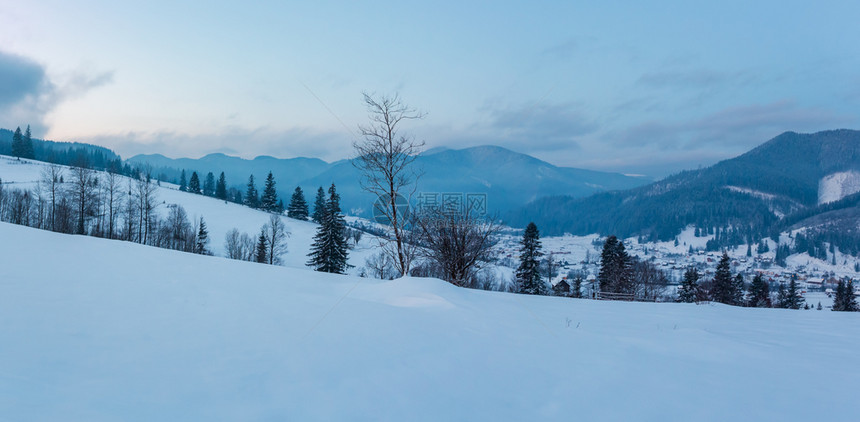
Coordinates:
(579, 256)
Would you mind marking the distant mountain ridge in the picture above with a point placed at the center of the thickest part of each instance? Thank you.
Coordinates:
(791, 174)
(509, 179)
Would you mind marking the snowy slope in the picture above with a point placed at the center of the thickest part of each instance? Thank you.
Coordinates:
(838, 185)
(220, 216)
(117, 331)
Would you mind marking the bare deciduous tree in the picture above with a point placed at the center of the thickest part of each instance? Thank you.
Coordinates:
(113, 196)
(52, 183)
(385, 157)
(380, 266)
(649, 282)
(239, 246)
(83, 189)
(277, 234)
(181, 233)
(146, 203)
(457, 242)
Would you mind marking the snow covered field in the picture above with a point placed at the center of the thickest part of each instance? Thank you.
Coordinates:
(92, 329)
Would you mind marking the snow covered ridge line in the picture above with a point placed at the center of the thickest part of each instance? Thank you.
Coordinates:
(139, 334)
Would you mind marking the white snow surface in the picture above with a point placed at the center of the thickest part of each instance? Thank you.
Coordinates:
(836, 186)
(100, 330)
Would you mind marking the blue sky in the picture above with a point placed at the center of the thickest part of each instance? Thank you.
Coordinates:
(619, 86)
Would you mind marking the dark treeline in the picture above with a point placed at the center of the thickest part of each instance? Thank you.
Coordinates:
(67, 153)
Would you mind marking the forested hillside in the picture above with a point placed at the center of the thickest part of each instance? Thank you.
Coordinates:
(751, 194)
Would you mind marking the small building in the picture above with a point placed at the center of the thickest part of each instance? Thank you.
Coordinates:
(562, 288)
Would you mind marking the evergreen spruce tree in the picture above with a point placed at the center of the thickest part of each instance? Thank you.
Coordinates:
(722, 289)
(194, 183)
(202, 245)
(781, 297)
(269, 200)
(738, 290)
(319, 206)
(252, 199)
(28, 144)
(262, 248)
(298, 208)
(329, 249)
(221, 187)
(839, 297)
(209, 185)
(850, 299)
(793, 299)
(577, 287)
(18, 144)
(280, 208)
(615, 274)
(845, 300)
(689, 290)
(759, 296)
(528, 273)
(183, 183)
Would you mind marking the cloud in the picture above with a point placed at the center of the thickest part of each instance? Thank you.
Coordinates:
(28, 94)
(539, 127)
(22, 79)
(691, 78)
(674, 145)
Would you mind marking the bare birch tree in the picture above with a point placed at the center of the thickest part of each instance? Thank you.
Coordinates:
(113, 197)
(83, 190)
(146, 203)
(52, 183)
(385, 157)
